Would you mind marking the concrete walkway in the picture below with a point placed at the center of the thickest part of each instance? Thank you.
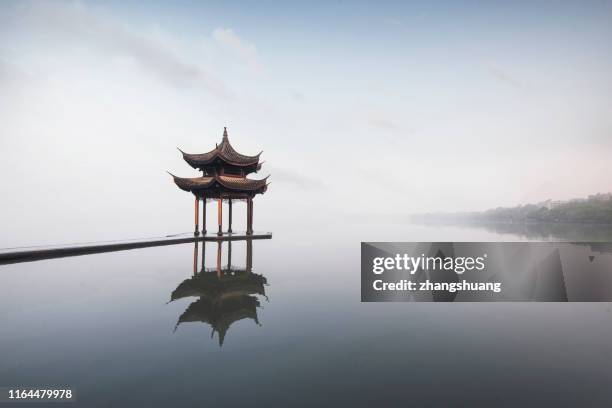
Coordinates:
(35, 253)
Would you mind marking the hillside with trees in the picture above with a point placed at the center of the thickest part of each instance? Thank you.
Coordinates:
(594, 209)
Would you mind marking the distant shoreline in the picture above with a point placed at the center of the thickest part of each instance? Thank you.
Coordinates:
(596, 209)
(437, 219)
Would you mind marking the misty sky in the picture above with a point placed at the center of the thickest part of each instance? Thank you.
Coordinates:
(361, 109)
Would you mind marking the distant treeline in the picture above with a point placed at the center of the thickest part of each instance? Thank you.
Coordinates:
(591, 210)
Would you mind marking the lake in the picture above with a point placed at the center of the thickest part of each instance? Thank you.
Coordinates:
(137, 328)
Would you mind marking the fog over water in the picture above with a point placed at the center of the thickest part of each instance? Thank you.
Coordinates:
(366, 113)
(104, 325)
(363, 111)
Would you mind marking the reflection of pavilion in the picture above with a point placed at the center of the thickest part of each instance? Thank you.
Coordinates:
(226, 293)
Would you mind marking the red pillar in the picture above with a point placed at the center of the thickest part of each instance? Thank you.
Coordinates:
(229, 203)
(249, 255)
(203, 256)
(204, 215)
(195, 258)
(250, 216)
(229, 255)
(219, 259)
(220, 216)
(197, 216)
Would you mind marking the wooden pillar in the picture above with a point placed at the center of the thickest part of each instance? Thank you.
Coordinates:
(229, 203)
(195, 258)
(219, 259)
(220, 216)
(203, 256)
(250, 216)
(248, 208)
(197, 216)
(229, 255)
(249, 255)
(204, 215)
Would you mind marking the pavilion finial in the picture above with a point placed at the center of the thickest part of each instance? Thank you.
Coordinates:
(224, 132)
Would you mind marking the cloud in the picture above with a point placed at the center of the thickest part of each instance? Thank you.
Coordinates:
(294, 178)
(10, 74)
(246, 51)
(504, 76)
(77, 25)
(297, 95)
(384, 124)
(391, 131)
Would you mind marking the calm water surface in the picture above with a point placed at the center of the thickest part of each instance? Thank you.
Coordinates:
(294, 333)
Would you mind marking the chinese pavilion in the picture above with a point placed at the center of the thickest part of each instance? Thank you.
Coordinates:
(225, 293)
(224, 177)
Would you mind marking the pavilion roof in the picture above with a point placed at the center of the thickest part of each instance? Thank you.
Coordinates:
(208, 284)
(223, 151)
(231, 183)
(221, 315)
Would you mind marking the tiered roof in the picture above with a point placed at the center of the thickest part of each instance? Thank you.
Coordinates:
(224, 173)
(223, 154)
(231, 282)
(223, 299)
(221, 316)
(228, 182)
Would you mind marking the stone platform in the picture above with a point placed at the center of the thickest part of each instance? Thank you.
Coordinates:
(36, 253)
